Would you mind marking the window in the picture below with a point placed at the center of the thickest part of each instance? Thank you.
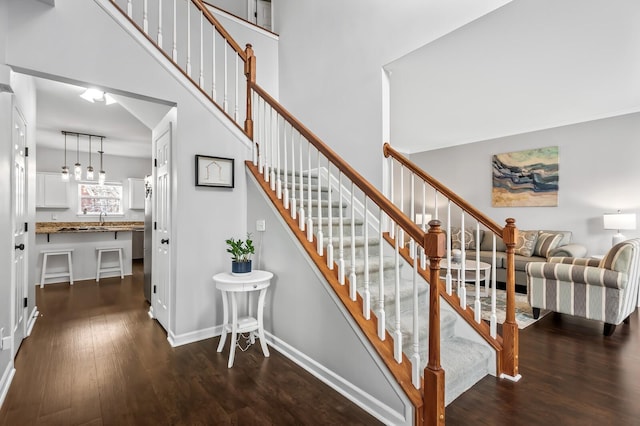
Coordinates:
(94, 199)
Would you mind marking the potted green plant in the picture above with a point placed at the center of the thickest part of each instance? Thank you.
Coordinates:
(241, 251)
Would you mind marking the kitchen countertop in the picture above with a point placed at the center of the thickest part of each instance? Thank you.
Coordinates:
(82, 227)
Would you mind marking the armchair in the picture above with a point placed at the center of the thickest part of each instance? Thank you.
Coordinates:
(604, 290)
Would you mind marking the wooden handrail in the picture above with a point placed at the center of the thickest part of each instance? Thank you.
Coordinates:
(206, 12)
(459, 201)
(394, 213)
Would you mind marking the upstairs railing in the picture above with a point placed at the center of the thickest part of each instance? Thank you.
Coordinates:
(333, 210)
(187, 33)
(471, 252)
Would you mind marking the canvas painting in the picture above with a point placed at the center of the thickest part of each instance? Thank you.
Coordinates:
(526, 178)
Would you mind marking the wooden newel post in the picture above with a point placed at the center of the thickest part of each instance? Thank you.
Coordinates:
(510, 326)
(433, 398)
(250, 73)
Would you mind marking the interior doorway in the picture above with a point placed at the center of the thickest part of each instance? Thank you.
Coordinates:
(260, 13)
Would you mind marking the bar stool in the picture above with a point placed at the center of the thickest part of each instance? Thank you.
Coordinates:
(44, 274)
(100, 269)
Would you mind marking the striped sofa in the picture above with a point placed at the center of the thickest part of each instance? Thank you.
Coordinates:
(604, 290)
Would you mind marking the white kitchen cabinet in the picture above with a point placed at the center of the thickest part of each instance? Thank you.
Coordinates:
(136, 194)
(51, 191)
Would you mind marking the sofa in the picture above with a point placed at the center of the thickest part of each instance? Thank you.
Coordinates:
(531, 246)
(603, 290)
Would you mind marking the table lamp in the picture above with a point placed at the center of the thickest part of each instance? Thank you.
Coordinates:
(618, 221)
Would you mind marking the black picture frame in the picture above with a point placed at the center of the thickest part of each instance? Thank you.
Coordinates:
(216, 172)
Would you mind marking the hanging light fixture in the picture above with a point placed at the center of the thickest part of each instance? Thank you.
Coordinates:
(102, 175)
(89, 167)
(65, 170)
(77, 168)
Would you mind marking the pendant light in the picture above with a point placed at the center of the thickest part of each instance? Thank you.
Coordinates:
(65, 170)
(102, 175)
(89, 167)
(77, 168)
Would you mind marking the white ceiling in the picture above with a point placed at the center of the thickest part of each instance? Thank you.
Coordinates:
(530, 65)
(126, 124)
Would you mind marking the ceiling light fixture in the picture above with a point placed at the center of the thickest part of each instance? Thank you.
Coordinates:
(95, 95)
(65, 170)
(77, 168)
(89, 167)
(101, 175)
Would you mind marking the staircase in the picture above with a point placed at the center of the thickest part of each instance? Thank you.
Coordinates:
(465, 361)
(365, 245)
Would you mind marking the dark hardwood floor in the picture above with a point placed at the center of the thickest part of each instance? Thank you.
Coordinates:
(95, 358)
(571, 375)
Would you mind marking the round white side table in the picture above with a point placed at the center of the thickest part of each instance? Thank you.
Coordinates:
(230, 285)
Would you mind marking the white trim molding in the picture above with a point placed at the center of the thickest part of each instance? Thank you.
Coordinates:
(193, 336)
(5, 381)
(32, 320)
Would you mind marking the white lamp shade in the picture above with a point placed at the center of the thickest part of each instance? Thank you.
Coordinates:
(423, 219)
(619, 221)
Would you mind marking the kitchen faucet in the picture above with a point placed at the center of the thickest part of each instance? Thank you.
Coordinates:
(103, 214)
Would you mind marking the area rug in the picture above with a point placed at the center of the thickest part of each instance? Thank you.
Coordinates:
(524, 313)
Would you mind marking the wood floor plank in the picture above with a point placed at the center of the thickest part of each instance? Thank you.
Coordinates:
(95, 358)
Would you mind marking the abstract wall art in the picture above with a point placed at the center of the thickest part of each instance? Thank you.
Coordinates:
(526, 178)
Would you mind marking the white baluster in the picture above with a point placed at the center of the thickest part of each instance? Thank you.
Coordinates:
(416, 367)
(236, 110)
(352, 275)
(225, 101)
(274, 149)
(462, 289)
(301, 217)
(174, 50)
(255, 142)
(260, 133)
(293, 204)
(159, 24)
(278, 175)
(423, 256)
(392, 228)
(381, 313)
(129, 9)
(400, 233)
(285, 194)
(435, 206)
(188, 38)
(309, 186)
(366, 296)
(341, 272)
(213, 64)
(320, 234)
(145, 20)
(477, 306)
(329, 218)
(266, 142)
(448, 277)
(412, 210)
(201, 78)
(493, 321)
(397, 334)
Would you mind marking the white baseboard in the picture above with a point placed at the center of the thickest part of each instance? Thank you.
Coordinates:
(5, 381)
(376, 408)
(194, 336)
(32, 320)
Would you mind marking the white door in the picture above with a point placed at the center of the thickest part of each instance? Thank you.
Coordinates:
(161, 216)
(263, 14)
(19, 220)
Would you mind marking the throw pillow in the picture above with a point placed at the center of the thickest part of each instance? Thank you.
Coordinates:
(469, 238)
(526, 243)
(546, 242)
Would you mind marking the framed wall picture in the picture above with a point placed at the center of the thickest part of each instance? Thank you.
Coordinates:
(214, 171)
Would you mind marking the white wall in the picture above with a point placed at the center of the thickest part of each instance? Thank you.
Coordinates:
(235, 7)
(331, 56)
(599, 173)
(310, 326)
(118, 169)
(85, 44)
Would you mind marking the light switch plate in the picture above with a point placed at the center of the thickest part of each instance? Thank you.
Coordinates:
(261, 225)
